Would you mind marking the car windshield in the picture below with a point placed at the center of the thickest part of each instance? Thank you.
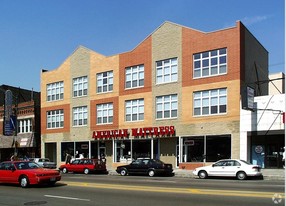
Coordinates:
(26, 165)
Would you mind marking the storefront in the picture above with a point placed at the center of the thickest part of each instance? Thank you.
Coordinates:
(124, 146)
(197, 150)
(267, 150)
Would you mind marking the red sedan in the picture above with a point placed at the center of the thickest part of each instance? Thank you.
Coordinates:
(27, 173)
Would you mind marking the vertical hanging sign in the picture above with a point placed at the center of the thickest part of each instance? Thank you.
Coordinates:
(8, 130)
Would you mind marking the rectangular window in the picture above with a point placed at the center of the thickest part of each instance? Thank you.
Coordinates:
(24, 125)
(55, 119)
(134, 76)
(80, 116)
(55, 91)
(104, 82)
(134, 110)
(104, 113)
(210, 63)
(207, 148)
(80, 86)
(210, 102)
(167, 106)
(167, 71)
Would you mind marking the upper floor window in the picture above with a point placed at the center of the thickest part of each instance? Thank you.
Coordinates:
(55, 119)
(210, 102)
(80, 116)
(167, 106)
(105, 82)
(134, 110)
(104, 113)
(167, 71)
(55, 91)
(134, 76)
(210, 63)
(24, 125)
(80, 86)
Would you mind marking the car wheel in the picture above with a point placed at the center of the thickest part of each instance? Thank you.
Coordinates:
(123, 172)
(203, 174)
(24, 181)
(65, 170)
(86, 171)
(52, 183)
(151, 173)
(241, 175)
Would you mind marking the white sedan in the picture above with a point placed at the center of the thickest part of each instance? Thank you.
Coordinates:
(229, 168)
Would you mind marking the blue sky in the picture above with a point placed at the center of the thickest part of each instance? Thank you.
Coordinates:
(38, 34)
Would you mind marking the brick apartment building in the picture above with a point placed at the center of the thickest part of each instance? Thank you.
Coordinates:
(25, 107)
(176, 96)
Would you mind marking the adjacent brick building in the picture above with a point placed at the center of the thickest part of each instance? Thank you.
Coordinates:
(25, 139)
(176, 96)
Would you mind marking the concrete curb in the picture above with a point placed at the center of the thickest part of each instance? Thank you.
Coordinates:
(272, 174)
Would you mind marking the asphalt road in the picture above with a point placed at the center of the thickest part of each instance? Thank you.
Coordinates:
(107, 190)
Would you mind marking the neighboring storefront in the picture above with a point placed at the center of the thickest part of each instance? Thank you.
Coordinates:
(19, 123)
(263, 132)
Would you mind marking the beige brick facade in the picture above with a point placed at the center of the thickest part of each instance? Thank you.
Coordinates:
(168, 41)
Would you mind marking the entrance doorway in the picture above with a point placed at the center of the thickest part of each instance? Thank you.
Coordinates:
(267, 151)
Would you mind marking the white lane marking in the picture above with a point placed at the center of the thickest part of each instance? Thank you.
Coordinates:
(68, 198)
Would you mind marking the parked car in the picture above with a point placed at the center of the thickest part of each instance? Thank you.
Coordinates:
(45, 163)
(229, 168)
(27, 173)
(85, 166)
(146, 166)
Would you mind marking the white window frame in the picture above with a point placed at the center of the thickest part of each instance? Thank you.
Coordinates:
(55, 91)
(134, 77)
(167, 104)
(167, 71)
(210, 63)
(80, 116)
(104, 113)
(134, 110)
(55, 119)
(80, 86)
(25, 125)
(104, 82)
(210, 102)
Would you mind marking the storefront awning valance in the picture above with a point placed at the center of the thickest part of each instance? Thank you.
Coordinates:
(21, 140)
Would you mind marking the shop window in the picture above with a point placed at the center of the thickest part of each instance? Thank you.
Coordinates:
(123, 151)
(82, 149)
(67, 147)
(218, 147)
(193, 149)
(206, 148)
(141, 149)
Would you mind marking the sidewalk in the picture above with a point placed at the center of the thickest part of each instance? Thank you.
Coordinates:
(268, 174)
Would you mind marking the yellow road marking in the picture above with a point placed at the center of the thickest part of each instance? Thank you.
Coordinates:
(236, 193)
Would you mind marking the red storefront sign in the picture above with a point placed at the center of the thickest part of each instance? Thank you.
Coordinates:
(161, 131)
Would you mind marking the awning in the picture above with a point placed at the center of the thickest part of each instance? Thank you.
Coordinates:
(21, 140)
